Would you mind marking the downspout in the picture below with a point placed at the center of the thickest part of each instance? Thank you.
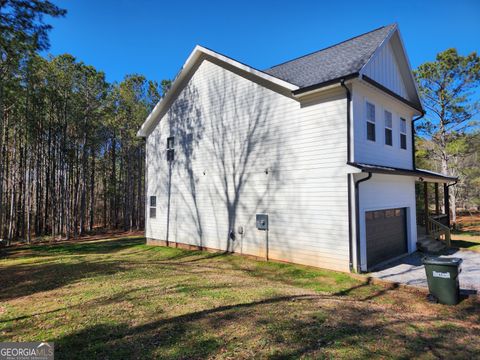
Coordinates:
(349, 176)
(349, 101)
(357, 217)
(414, 166)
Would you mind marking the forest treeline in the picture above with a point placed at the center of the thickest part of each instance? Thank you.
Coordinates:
(69, 156)
(449, 134)
(70, 159)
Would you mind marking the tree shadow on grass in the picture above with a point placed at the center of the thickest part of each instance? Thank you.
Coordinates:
(191, 256)
(74, 248)
(352, 332)
(48, 274)
(284, 327)
(178, 337)
(98, 247)
(25, 279)
(465, 244)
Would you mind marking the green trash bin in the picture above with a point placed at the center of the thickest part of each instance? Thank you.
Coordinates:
(442, 278)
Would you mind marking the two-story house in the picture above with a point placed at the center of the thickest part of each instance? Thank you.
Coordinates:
(310, 161)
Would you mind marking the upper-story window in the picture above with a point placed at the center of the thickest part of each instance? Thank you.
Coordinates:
(170, 150)
(370, 121)
(388, 128)
(403, 133)
(170, 142)
(153, 207)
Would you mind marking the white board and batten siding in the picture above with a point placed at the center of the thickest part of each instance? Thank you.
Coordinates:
(384, 69)
(243, 149)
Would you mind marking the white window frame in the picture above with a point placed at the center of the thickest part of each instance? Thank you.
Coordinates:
(170, 148)
(154, 207)
(403, 132)
(170, 142)
(371, 121)
(385, 112)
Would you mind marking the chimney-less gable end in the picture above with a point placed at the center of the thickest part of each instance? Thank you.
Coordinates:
(361, 57)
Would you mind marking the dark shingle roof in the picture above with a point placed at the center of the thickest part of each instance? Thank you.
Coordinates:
(334, 62)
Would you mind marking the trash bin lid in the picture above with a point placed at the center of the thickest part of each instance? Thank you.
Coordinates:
(435, 260)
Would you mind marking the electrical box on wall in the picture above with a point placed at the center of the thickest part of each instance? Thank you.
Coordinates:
(262, 221)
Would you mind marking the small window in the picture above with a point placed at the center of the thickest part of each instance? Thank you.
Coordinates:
(403, 126)
(170, 142)
(403, 133)
(370, 121)
(388, 128)
(170, 150)
(153, 207)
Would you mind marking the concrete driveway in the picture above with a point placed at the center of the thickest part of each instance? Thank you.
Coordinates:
(409, 270)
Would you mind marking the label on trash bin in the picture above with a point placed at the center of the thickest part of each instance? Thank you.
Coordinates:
(443, 275)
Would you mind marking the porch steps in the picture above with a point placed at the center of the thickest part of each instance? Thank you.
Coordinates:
(427, 245)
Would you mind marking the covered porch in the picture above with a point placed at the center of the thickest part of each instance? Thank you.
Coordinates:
(423, 208)
(433, 212)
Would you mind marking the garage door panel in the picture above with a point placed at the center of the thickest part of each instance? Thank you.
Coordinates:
(386, 235)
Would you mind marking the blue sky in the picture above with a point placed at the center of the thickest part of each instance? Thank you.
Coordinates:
(154, 38)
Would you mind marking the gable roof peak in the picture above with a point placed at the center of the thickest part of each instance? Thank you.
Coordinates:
(390, 26)
(333, 62)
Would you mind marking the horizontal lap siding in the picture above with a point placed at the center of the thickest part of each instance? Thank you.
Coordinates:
(294, 171)
(378, 152)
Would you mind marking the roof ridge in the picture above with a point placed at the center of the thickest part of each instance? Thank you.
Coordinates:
(240, 62)
(328, 47)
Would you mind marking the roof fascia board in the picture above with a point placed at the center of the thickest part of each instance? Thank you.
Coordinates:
(164, 102)
(323, 85)
(318, 91)
(199, 54)
(247, 68)
(384, 43)
(379, 48)
(386, 90)
(409, 65)
(422, 175)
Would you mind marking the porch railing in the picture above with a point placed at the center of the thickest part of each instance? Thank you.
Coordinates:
(441, 218)
(438, 231)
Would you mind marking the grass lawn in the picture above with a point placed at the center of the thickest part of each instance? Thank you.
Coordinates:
(468, 234)
(117, 298)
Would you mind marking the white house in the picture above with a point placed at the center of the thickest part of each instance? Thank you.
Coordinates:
(318, 149)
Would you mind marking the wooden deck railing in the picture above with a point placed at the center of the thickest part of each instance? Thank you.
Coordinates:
(441, 218)
(438, 231)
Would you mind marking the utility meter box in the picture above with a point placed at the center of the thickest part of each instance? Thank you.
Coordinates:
(262, 221)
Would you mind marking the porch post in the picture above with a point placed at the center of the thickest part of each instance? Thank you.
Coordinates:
(447, 203)
(437, 204)
(425, 205)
